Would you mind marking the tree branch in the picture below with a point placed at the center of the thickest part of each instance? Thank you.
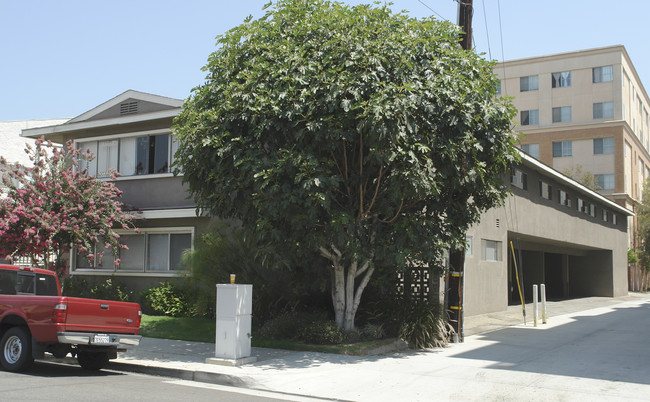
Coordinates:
(396, 215)
(374, 197)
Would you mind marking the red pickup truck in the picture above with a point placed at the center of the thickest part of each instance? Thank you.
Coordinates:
(35, 318)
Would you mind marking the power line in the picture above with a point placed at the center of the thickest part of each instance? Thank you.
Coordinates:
(487, 33)
(432, 10)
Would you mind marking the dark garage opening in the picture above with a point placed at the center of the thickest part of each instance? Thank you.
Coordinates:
(567, 272)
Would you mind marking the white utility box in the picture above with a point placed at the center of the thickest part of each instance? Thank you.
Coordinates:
(233, 335)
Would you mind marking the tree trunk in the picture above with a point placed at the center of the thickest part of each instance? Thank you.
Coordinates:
(346, 290)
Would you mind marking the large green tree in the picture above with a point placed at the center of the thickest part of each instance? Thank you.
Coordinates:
(351, 132)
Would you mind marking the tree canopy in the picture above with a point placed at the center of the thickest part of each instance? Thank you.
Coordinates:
(350, 131)
(52, 206)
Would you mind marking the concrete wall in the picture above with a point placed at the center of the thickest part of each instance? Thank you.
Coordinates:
(546, 226)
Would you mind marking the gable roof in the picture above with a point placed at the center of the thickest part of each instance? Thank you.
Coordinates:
(153, 102)
(129, 107)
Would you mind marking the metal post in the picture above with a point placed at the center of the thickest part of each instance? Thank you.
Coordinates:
(542, 289)
(535, 306)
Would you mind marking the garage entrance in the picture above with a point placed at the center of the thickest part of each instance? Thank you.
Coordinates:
(568, 271)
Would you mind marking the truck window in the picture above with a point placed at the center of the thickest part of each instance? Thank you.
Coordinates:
(7, 282)
(25, 284)
(46, 285)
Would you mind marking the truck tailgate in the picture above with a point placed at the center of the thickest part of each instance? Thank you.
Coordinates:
(90, 315)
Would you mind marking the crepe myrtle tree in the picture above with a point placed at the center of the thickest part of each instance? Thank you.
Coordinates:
(352, 132)
(53, 207)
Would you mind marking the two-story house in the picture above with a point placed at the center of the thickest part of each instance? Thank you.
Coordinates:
(131, 133)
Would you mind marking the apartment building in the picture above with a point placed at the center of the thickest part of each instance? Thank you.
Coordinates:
(131, 133)
(585, 110)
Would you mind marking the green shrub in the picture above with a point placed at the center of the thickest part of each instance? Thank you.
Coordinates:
(284, 326)
(110, 289)
(372, 331)
(322, 333)
(279, 281)
(74, 286)
(168, 299)
(422, 324)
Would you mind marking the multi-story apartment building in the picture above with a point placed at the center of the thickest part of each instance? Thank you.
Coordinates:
(585, 110)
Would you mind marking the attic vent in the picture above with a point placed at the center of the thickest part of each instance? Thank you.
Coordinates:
(129, 107)
(498, 223)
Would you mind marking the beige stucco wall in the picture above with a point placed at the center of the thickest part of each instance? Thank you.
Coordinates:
(562, 229)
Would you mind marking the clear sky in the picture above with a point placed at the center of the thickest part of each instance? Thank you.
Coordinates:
(62, 58)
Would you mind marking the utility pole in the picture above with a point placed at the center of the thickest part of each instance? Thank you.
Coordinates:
(456, 279)
(465, 12)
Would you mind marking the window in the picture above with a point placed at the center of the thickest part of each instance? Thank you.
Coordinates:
(545, 190)
(529, 117)
(592, 210)
(561, 114)
(605, 181)
(154, 250)
(602, 74)
(491, 250)
(529, 83)
(562, 149)
(581, 205)
(519, 179)
(562, 79)
(604, 215)
(90, 166)
(614, 219)
(499, 87)
(151, 154)
(603, 146)
(564, 199)
(106, 157)
(603, 110)
(468, 245)
(531, 149)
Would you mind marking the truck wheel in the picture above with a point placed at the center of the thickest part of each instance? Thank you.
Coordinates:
(16, 347)
(92, 360)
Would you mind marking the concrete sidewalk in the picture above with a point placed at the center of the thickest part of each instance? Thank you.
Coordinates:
(403, 375)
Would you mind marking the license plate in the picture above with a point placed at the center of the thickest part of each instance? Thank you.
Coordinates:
(101, 338)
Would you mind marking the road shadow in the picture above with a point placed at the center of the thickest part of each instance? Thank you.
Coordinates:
(48, 369)
(611, 346)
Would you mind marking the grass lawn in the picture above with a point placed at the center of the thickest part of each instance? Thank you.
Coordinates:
(203, 330)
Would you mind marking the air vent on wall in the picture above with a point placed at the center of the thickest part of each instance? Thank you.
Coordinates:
(129, 107)
(498, 222)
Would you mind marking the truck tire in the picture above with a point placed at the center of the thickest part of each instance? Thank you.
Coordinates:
(16, 349)
(92, 360)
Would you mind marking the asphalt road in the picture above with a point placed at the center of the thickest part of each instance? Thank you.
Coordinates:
(60, 382)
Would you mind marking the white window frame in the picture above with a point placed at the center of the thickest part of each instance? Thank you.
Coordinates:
(171, 148)
(144, 271)
(497, 253)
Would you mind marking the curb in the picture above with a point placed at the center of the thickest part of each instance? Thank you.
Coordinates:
(182, 374)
